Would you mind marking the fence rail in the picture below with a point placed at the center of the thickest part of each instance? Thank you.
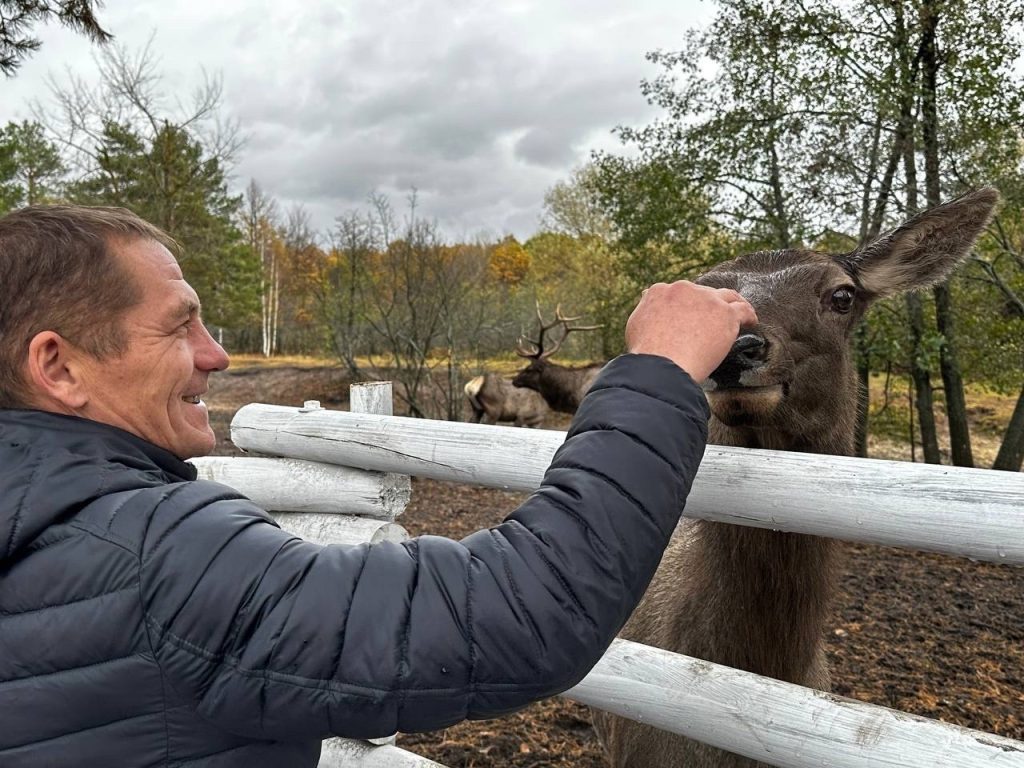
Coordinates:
(973, 513)
(778, 723)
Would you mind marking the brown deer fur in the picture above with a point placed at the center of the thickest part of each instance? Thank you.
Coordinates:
(562, 387)
(494, 399)
(751, 598)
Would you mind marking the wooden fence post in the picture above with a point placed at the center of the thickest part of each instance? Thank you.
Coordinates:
(376, 397)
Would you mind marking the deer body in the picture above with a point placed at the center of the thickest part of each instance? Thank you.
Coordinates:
(494, 399)
(756, 599)
(562, 387)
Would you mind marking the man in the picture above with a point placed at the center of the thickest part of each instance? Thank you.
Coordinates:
(147, 618)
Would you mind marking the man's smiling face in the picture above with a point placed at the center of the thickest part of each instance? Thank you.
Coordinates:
(154, 388)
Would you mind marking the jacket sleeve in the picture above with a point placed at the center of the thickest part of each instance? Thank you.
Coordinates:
(271, 636)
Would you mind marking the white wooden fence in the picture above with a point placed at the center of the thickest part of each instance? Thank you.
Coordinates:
(345, 477)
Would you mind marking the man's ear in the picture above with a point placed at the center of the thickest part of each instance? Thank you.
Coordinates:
(54, 373)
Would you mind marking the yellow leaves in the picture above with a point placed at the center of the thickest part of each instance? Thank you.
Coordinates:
(509, 262)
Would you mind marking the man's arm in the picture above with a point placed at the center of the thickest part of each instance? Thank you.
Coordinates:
(268, 635)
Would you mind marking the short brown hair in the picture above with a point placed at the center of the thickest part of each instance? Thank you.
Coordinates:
(58, 272)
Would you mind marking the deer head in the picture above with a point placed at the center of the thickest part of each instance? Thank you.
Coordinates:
(789, 383)
(534, 351)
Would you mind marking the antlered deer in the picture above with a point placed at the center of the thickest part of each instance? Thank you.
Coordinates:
(494, 399)
(758, 599)
(562, 387)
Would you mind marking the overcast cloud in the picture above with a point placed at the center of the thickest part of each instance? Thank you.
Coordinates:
(479, 106)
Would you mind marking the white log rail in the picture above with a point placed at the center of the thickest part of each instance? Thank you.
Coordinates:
(346, 753)
(326, 529)
(968, 512)
(294, 485)
(778, 723)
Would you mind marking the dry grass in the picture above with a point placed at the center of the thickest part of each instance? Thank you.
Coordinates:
(988, 413)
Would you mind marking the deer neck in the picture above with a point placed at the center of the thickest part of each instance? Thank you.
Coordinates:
(563, 387)
(763, 597)
(756, 600)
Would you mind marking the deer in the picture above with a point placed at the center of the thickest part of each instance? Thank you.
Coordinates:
(562, 387)
(494, 399)
(757, 599)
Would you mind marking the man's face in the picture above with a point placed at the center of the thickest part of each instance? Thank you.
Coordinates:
(153, 390)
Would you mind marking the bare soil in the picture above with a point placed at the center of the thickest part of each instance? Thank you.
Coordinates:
(924, 633)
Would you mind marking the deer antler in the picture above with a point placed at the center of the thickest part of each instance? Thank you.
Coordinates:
(538, 352)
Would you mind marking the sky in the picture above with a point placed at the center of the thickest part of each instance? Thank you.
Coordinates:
(479, 106)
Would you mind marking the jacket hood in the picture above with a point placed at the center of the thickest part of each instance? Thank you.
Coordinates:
(53, 465)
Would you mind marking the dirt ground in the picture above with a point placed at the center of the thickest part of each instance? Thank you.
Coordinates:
(924, 633)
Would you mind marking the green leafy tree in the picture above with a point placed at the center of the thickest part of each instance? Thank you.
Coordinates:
(993, 341)
(789, 118)
(17, 17)
(10, 190)
(169, 181)
(170, 167)
(30, 164)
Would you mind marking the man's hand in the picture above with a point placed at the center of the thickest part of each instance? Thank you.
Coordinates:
(692, 325)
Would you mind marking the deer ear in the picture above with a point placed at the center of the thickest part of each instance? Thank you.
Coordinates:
(922, 251)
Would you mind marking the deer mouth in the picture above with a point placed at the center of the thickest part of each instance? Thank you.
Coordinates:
(741, 406)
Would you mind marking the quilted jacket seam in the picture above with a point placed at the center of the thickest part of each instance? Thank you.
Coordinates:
(21, 505)
(600, 427)
(518, 598)
(29, 612)
(66, 670)
(617, 487)
(633, 388)
(67, 734)
(330, 686)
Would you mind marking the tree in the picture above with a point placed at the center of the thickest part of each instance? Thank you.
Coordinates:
(30, 163)
(411, 303)
(167, 181)
(286, 278)
(814, 117)
(993, 348)
(614, 227)
(340, 283)
(396, 295)
(18, 16)
(258, 219)
(10, 190)
(509, 262)
(170, 169)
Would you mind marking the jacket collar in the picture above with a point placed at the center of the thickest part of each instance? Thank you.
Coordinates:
(94, 438)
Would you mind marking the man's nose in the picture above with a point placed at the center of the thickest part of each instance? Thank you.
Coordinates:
(210, 355)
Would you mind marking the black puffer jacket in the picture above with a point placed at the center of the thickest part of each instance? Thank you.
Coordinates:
(147, 619)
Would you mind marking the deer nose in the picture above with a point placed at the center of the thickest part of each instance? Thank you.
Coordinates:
(749, 351)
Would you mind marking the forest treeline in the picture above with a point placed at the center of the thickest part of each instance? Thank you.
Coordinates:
(784, 124)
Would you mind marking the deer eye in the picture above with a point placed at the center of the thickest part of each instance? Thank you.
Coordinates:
(841, 300)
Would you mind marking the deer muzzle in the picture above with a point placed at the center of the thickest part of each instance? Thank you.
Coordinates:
(749, 352)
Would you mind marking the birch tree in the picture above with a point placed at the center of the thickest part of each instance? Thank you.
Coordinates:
(259, 223)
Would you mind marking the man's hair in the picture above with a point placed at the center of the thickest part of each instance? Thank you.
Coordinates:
(59, 272)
